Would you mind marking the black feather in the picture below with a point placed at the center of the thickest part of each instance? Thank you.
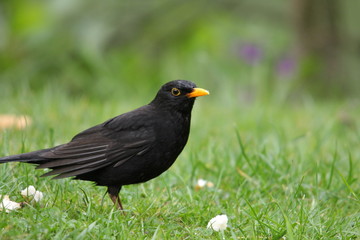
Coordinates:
(131, 148)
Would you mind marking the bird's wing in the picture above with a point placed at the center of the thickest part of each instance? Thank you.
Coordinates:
(96, 148)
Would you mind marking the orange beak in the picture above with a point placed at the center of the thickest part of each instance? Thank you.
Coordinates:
(197, 92)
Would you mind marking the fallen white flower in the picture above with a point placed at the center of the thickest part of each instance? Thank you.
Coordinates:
(8, 205)
(218, 223)
(201, 183)
(31, 192)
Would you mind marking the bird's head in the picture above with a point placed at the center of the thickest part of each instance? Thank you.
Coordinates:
(178, 95)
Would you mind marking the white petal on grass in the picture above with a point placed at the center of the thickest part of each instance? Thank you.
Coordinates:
(29, 191)
(32, 193)
(201, 183)
(8, 205)
(38, 196)
(218, 223)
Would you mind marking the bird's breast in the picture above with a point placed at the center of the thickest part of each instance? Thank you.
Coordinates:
(171, 138)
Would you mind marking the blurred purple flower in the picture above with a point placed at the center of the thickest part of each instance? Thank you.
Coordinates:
(286, 66)
(251, 53)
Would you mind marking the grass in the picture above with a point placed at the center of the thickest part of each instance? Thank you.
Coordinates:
(284, 165)
(281, 170)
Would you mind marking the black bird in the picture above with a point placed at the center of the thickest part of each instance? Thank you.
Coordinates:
(131, 148)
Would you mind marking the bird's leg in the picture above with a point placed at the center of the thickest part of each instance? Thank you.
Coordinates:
(116, 201)
(113, 192)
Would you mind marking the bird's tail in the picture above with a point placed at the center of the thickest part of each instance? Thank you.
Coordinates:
(30, 157)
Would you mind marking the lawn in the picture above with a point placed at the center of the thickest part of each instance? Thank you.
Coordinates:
(281, 168)
(282, 155)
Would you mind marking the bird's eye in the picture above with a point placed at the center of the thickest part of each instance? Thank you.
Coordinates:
(175, 92)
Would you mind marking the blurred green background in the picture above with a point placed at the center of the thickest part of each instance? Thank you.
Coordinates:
(98, 49)
(278, 135)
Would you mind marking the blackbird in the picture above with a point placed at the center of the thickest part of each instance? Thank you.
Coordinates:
(131, 148)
